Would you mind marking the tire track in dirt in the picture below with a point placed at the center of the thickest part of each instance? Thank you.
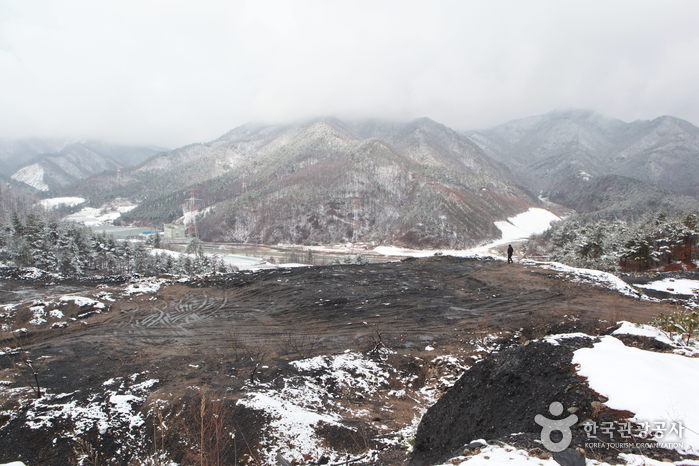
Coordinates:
(175, 320)
(413, 303)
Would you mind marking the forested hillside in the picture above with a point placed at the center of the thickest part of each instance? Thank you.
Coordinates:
(618, 197)
(15, 201)
(417, 184)
(653, 242)
(72, 250)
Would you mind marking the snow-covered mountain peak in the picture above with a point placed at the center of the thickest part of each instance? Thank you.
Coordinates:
(426, 122)
(669, 125)
(551, 148)
(322, 133)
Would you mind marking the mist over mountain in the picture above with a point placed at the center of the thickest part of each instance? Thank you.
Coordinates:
(323, 181)
(417, 183)
(620, 197)
(14, 153)
(46, 164)
(547, 151)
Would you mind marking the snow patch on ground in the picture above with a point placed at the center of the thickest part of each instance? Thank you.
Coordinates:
(92, 216)
(591, 276)
(311, 398)
(43, 310)
(168, 252)
(674, 286)
(640, 460)
(504, 454)
(32, 273)
(583, 175)
(657, 387)
(55, 202)
(291, 425)
(492, 455)
(324, 389)
(292, 265)
(114, 410)
(145, 285)
(32, 175)
(642, 330)
(348, 370)
(82, 301)
(38, 314)
(555, 339)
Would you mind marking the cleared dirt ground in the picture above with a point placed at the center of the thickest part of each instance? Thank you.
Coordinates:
(219, 333)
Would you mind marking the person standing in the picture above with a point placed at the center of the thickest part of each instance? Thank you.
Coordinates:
(509, 253)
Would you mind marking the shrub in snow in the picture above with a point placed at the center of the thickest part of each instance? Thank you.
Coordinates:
(684, 323)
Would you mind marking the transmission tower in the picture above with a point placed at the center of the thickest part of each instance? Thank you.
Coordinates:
(190, 209)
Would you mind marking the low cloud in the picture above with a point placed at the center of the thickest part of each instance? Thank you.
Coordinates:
(170, 73)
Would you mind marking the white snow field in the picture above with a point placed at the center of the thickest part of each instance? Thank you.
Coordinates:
(643, 330)
(32, 175)
(492, 455)
(656, 387)
(496, 455)
(55, 202)
(520, 227)
(92, 216)
(674, 286)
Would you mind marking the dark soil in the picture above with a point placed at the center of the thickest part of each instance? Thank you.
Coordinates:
(17, 289)
(498, 398)
(502, 395)
(219, 333)
(645, 343)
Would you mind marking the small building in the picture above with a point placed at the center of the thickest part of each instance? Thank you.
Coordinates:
(173, 231)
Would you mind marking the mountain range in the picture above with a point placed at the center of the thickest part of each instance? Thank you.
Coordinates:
(418, 184)
(51, 164)
(328, 181)
(547, 152)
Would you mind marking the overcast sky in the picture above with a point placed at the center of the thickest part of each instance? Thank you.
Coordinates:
(174, 72)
